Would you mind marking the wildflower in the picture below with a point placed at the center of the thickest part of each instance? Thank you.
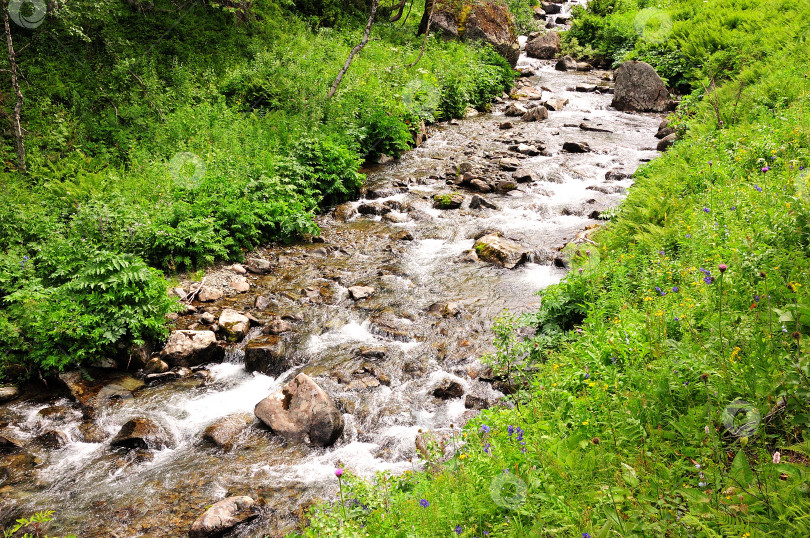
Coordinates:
(707, 280)
(484, 428)
(458, 529)
(338, 472)
(586, 535)
(675, 289)
(686, 383)
(587, 376)
(706, 210)
(520, 434)
(758, 188)
(766, 168)
(487, 449)
(702, 484)
(722, 267)
(688, 236)
(510, 430)
(580, 270)
(424, 503)
(777, 457)
(756, 298)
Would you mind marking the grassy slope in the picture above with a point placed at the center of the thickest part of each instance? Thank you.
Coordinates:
(626, 428)
(170, 139)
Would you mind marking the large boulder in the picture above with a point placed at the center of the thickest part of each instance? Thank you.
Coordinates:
(544, 47)
(640, 89)
(488, 21)
(538, 113)
(8, 393)
(223, 431)
(267, 355)
(566, 63)
(223, 516)
(233, 324)
(491, 23)
(302, 411)
(143, 433)
(192, 348)
(500, 251)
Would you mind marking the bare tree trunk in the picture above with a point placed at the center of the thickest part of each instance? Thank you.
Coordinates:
(427, 33)
(399, 9)
(15, 83)
(424, 23)
(374, 5)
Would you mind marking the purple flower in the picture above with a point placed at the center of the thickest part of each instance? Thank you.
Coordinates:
(773, 157)
(734, 208)
(487, 449)
(519, 434)
(686, 383)
(338, 472)
(458, 529)
(688, 236)
(424, 503)
(586, 535)
(722, 267)
(706, 210)
(675, 289)
(758, 188)
(756, 298)
(705, 271)
(484, 428)
(766, 168)
(710, 163)
(587, 376)
(676, 318)
(510, 429)
(707, 279)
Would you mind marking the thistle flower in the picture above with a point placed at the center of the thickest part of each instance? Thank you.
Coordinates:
(338, 472)
(766, 168)
(722, 267)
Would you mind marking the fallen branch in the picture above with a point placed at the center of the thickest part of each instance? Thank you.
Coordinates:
(355, 50)
(192, 294)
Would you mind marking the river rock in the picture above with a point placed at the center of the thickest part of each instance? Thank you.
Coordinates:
(192, 348)
(142, 433)
(576, 147)
(261, 302)
(155, 366)
(223, 431)
(445, 310)
(448, 389)
(555, 104)
(278, 326)
(502, 187)
(8, 393)
(509, 164)
(448, 200)
(402, 235)
(640, 89)
(505, 125)
(584, 66)
(302, 411)
(9, 441)
(361, 292)
(586, 88)
(234, 324)
(478, 202)
(666, 142)
(500, 251)
(593, 128)
(259, 266)
(209, 294)
(240, 284)
(544, 47)
(99, 386)
(479, 185)
(566, 63)
(523, 175)
(550, 8)
(344, 212)
(91, 432)
(53, 439)
(538, 113)
(267, 355)
(515, 109)
(223, 516)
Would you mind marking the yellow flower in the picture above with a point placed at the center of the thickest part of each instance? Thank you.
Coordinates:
(591, 384)
(554, 384)
(585, 423)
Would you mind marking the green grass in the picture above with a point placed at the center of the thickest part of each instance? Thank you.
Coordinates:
(667, 374)
(173, 139)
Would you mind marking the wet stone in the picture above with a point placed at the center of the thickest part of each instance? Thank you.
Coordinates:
(448, 201)
(52, 439)
(576, 147)
(448, 389)
(8, 393)
(361, 292)
(261, 302)
(268, 356)
(9, 441)
(501, 251)
(402, 235)
(91, 432)
(223, 432)
(478, 202)
(223, 516)
(209, 294)
(142, 433)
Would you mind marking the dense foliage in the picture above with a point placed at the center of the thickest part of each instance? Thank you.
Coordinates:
(171, 135)
(667, 392)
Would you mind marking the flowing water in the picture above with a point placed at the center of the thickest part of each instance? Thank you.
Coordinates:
(387, 394)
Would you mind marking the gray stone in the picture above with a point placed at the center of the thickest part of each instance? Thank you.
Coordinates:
(544, 47)
(223, 431)
(191, 348)
(302, 411)
(223, 516)
(501, 251)
(233, 324)
(142, 433)
(640, 89)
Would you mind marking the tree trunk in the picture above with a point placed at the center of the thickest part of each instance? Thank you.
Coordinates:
(374, 5)
(16, 124)
(423, 24)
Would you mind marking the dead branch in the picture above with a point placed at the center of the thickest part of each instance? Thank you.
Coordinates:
(375, 4)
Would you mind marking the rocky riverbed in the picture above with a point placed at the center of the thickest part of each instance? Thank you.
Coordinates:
(388, 311)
